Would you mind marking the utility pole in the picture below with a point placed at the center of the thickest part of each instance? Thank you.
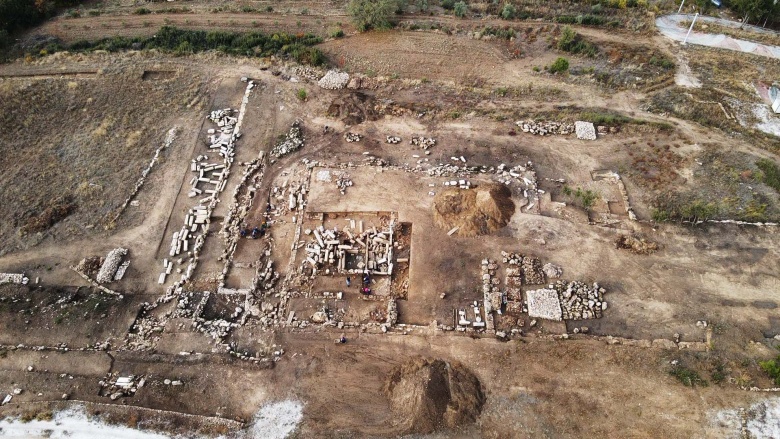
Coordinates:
(690, 29)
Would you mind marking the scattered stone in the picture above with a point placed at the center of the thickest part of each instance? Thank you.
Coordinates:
(352, 137)
(292, 142)
(552, 271)
(423, 142)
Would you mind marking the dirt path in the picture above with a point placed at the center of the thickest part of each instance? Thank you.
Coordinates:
(669, 26)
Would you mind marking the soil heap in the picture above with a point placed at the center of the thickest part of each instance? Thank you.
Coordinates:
(477, 211)
(430, 394)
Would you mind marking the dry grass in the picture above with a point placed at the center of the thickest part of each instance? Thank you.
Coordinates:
(73, 148)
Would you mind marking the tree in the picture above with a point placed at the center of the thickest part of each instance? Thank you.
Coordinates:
(422, 5)
(372, 14)
(508, 12)
(756, 10)
(460, 9)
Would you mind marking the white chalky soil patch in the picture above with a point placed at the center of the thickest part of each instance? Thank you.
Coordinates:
(276, 420)
(72, 423)
(763, 420)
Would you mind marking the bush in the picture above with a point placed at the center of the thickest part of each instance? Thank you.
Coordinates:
(560, 65)
(508, 12)
(572, 42)
(302, 95)
(663, 63)
(688, 377)
(772, 368)
(338, 33)
(448, 4)
(372, 14)
(460, 9)
(771, 173)
(422, 5)
(142, 11)
(182, 42)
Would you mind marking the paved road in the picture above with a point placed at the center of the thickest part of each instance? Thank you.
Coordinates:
(669, 26)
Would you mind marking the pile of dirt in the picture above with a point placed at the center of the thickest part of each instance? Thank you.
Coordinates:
(477, 211)
(427, 395)
(636, 244)
(90, 265)
(354, 108)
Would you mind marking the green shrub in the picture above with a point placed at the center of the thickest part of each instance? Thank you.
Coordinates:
(142, 11)
(302, 95)
(180, 42)
(688, 377)
(663, 63)
(448, 4)
(572, 42)
(772, 368)
(560, 65)
(536, 69)
(337, 33)
(460, 9)
(422, 5)
(771, 173)
(372, 14)
(94, 12)
(508, 12)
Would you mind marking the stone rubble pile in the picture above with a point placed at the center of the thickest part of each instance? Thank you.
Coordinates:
(532, 271)
(13, 278)
(491, 291)
(552, 271)
(545, 128)
(544, 304)
(580, 300)
(423, 142)
(392, 312)
(308, 73)
(120, 272)
(585, 130)
(525, 177)
(372, 249)
(115, 386)
(352, 137)
(343, 182)
(292, 142)
(110, 265)
(393, 140)
(334, 80)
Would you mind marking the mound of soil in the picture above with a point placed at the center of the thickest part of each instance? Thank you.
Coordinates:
(636, 244)
(427, 395)
(354, 108)
(478, 211)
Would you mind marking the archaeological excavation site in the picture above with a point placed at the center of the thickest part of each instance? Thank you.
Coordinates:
(380, 219)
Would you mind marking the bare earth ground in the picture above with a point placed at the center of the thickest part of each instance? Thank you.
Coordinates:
(536, 385)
